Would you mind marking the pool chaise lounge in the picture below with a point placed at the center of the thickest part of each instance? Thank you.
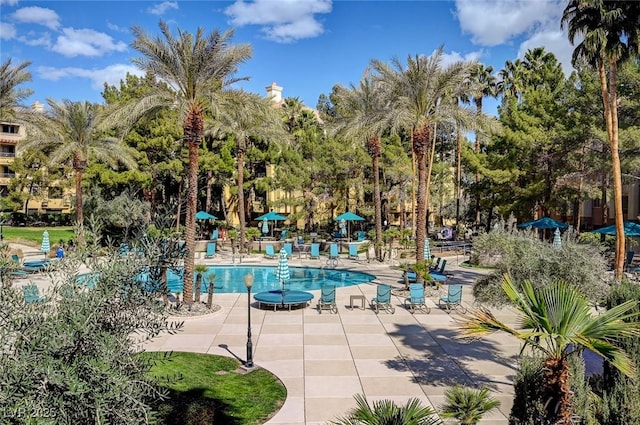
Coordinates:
(284, 298)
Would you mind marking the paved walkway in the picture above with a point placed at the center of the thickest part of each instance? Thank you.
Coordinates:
(325, 359)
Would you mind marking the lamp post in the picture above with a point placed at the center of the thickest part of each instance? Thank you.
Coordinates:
(248, 282)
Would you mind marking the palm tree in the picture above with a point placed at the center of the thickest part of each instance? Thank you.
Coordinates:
(11, 97)
(192, 67)
(610, 34)
(468, 405)
(556, 320)
(361, 114)
(484, 84)
(245, 117)
(386, 412)
(76, 132)
(417, 93)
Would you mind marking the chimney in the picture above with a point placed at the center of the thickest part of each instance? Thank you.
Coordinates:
(37, 107)
(274, 92)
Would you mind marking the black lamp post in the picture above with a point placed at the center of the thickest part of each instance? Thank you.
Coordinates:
(248, 282)
(1, 235)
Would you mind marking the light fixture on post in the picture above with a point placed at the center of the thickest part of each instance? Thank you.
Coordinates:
(248, 282)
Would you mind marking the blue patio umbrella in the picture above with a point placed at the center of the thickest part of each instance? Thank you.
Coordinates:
(427, 250)
(631, 229)
(272, 216)
(544, 223)
(557, 241)
(348, 217)
(203, 215)
(265, 227)
(46, 246)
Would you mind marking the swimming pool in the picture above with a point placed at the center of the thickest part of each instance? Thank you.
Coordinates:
(230, 279)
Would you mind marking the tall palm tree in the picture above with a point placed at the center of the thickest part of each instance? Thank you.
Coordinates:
(416, 94)
(11, 97)
(192, 67)
(76, 132)
(483, 84)
(386, 412)
(556, 320)
(512, 78)
(610, 34)
(361, 114)
(468, 405)
(245, 117)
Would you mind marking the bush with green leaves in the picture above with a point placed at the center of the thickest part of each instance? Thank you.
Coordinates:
(72, 358)
(468, 405)
(523, 256)
(387, 412)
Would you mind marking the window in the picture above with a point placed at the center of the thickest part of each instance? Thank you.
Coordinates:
(10, 128)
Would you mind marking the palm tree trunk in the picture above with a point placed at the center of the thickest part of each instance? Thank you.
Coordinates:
(413, 187)
(557, 393)
(458, 175)
(190, 223)
(617, 174)
(378, 204)
(421, 146)
(79, 210)
(208, 202)
(240, 159)
(478, 148)
(432, 154)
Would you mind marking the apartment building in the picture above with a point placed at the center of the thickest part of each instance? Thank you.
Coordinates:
(43, 200)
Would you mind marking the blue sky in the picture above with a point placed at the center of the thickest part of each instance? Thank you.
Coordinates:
(304, 46)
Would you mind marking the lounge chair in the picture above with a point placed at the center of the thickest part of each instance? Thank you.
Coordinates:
(353, 252)
(453, 299)
(32, 294)
(211, 250)
(434, 268)
(327, 299)
(288, 247)
(361, 235)
(382, 300)
(314, 254)
(269, 252)
(214, 235)
(416, 299)
(334, 255)
(439, 274)
(283, 235)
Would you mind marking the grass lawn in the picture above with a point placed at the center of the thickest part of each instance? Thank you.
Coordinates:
(33, 235)
(212, 389)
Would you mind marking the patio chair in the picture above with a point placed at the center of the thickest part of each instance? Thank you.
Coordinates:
(314, 254)
(211, 250)
(214, 235)
(334, 255)
(416, 299)
(361, 235)
(288, 247)
(283, 235)
(453, 299)
(434, 268)
(269, 252)
(439, 274)
(32, 294)
(382, 300)
(327, 299)
(353, 252)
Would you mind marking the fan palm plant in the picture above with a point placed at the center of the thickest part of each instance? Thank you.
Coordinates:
(192, 67)
(468, 405)
(386, 412)
(76, 132)
(556, 321)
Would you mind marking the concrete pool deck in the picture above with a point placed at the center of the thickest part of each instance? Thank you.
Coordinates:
(325, 359)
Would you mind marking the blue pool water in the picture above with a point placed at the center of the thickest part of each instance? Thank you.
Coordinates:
(230, 279)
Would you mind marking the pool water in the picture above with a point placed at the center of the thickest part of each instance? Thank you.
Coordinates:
(230, 279)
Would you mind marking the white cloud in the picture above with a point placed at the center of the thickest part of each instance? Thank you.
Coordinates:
(37, 15)
(32, 40)
(161, 8)
(86, 42)
(117, 28)
(7, 31)
(554, 41)
(494, 22)
(450, 58)
(111, 75)
(282, 21)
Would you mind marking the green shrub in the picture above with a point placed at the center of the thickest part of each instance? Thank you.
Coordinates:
(525, 257)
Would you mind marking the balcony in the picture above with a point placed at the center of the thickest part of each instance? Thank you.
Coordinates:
(7, 157)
